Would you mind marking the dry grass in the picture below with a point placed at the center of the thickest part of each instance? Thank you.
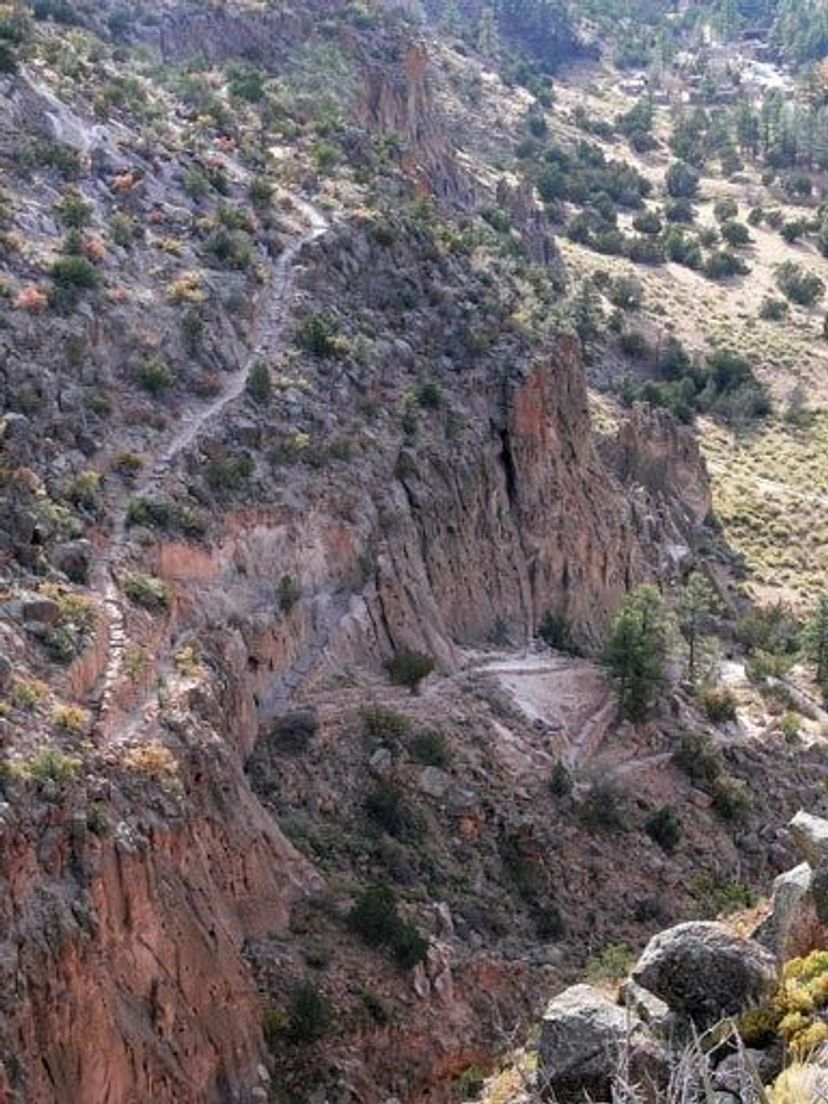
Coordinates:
(769, 483)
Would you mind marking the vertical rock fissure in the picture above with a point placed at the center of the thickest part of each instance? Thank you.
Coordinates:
(507, 460)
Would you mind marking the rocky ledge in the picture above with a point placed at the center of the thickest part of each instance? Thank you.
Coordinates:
(736, 1012)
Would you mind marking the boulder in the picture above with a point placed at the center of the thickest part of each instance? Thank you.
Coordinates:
(6, 671)
(434, 782)
(73, 558)
(647, 1006)
(704, 970)
(381, 762)
(585, 1039)
(819, 892)
(790, 901)
(810, 834)
(735, 1073)
(42, 611)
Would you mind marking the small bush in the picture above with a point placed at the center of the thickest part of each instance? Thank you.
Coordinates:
(72, 275)
(309, 1013)
(798, 285)
(664, 826)
(97, 821)
(626, 293)
(773, 629)
(698, 759)
(600, 811)
(122, 229)
(387, 808)
(725, 209)
(292, 733)
(612, 964)
(148, 592)
(735, 233)
(681, 181)
(375, 919)
(409, 668)
(288, 593)
(634, 344)
(722, 264)
(560, 781)
(793, 229)
(647, 222)
(230, 248)
(716, 896)
(469, 1083)
(773, 310)
(718, 703)
(731, 798)
(317, 336)
(153, 376)
(52, 765)
(27, 694)
(555, 632)
(258, 383)
(430, 396)
(260, 192)
(384, 725)
(153, 760)
(228, 473)
(74, 211)
(679, 210)
(71, 718)
(430, 747)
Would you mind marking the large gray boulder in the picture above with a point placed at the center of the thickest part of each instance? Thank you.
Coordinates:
(586, 1039)
(704, 970)
(790, 902)
(810, 834)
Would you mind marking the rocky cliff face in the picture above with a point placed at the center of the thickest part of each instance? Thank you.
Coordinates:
(526, 523)
(122, 965)
(415, 469)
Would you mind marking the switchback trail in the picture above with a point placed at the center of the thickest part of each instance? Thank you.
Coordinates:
(190, 426)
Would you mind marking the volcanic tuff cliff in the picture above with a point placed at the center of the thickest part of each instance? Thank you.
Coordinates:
(418, 471)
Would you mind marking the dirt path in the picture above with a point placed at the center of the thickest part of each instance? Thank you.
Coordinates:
(574, 700)
(570, 695)
(189, 428)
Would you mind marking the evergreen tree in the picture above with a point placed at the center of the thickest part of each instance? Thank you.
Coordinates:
(816, 642)
(636, 652)
(696, 602)
(747, 129)
(586, 312)
(822, 236)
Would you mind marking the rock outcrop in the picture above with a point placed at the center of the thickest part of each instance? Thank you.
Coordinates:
(799, 903)
(121, 944)
(525, 522)
(704, 971)
(399, 102)
(585, 1041)
(527, 216)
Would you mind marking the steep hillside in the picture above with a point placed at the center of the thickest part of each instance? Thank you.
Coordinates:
(311, 547)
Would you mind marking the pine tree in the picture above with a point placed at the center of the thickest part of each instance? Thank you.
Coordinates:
(816, 642)
(586, 311)
(636, 652)
(747, 129)
(696, 602)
